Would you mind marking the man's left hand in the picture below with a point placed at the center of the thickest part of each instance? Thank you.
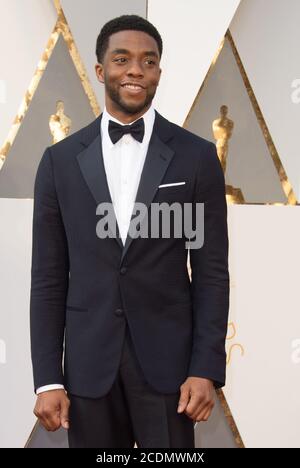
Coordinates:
(196, 398)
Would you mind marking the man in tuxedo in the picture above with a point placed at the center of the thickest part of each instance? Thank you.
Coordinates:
(126, 347)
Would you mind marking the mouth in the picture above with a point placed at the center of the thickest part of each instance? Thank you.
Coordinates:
(133, 88)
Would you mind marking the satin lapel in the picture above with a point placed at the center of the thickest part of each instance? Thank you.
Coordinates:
(92, 167)
(157, 160)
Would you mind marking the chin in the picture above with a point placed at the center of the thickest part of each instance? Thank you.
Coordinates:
(133, 108)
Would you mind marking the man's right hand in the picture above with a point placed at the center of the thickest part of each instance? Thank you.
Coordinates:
(52, 409)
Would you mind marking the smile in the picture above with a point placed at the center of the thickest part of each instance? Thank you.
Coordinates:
(133, 88)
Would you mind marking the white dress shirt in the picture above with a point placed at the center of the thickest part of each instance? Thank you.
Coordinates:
(123, 163)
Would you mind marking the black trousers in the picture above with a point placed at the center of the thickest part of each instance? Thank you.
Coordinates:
(131, 412)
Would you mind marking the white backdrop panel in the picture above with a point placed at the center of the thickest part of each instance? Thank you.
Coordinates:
(17, 397)
(192, 32)
(263, 386)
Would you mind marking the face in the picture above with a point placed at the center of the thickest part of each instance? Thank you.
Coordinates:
(130, 73)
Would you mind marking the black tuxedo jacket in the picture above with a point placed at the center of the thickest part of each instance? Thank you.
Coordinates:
(85, 289)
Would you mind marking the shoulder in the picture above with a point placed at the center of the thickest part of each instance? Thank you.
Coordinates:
(198, 151)
(76, 142)
(186, 137)
(191, 138)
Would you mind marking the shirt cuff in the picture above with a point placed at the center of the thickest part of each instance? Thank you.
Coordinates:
(47, 388)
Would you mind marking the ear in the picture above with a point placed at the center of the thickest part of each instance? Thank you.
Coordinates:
(99, 72)
(160, 70)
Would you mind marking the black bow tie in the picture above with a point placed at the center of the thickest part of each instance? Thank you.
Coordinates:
(116, 131)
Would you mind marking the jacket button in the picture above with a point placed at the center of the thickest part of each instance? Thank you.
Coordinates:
(123, 270)
(119, 312)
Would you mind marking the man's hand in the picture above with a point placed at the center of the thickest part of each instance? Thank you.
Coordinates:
(197, 398)
(52, 409)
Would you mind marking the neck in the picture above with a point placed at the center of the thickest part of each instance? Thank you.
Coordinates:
(123, 116)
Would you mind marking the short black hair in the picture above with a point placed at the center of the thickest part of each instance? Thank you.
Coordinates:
(121, 23)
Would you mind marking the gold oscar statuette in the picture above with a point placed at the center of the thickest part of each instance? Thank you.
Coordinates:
(59, 123)
(222, 130)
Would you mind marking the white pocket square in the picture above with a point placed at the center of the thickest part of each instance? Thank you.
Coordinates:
(171, 185)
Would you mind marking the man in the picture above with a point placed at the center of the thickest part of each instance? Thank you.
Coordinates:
(143, 346)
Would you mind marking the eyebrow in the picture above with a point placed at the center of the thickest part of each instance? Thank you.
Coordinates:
(152, 53)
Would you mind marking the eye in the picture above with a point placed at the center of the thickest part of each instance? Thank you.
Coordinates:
(151, 62)
(120, 60)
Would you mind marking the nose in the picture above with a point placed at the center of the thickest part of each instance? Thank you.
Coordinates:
(135, 69)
